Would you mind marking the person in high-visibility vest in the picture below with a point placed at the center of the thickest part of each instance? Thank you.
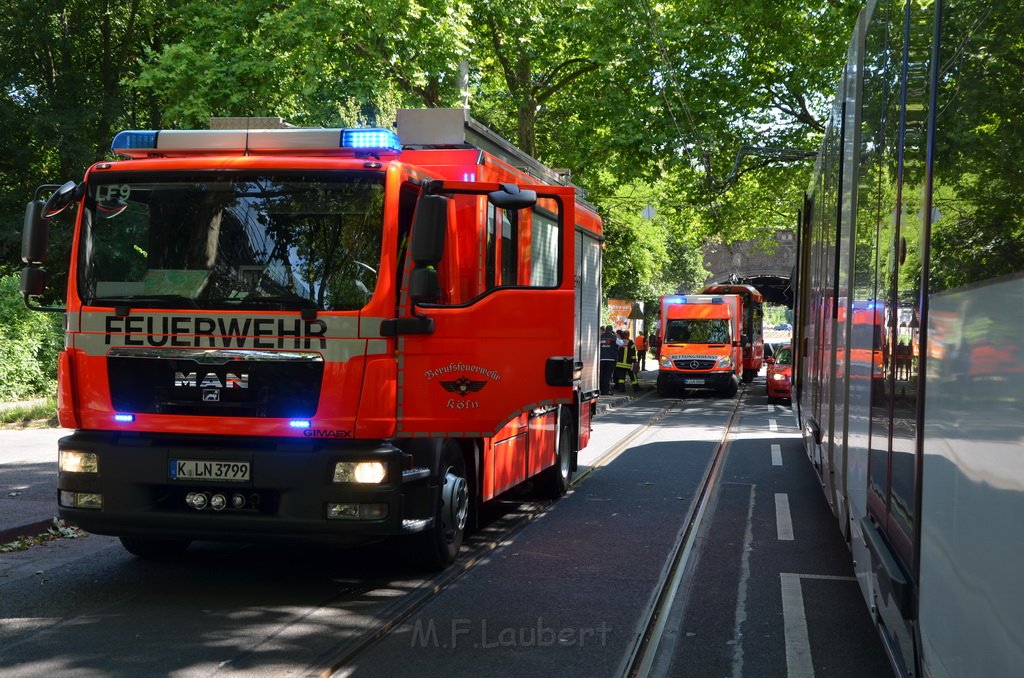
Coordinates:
(624, 364)
(641, 351)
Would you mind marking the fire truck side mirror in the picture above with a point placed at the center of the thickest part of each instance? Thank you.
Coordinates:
(59, 200)
(36, 230)
(35, 234)
(423, 285)
(428, 231)
(33, 281)
(33, 284)
(511, 197)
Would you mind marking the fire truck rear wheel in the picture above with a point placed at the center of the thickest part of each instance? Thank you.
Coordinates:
(438, 547)
(554, 482)
(153, 548)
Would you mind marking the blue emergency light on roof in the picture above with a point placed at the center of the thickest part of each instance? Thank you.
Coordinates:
(146, 143)
(371, 139)
(136, 139)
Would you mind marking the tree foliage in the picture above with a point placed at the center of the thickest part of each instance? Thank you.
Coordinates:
(639, 99)
(29, 343)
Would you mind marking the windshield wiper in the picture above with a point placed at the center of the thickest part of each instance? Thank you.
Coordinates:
(137, 300)
(284, 303)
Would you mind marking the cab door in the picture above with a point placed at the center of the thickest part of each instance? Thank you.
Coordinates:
(468, 366)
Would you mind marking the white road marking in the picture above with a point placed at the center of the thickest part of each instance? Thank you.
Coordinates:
(741, 596)
(776, 455)
(773, 426)
(794, 621)
(783, 520)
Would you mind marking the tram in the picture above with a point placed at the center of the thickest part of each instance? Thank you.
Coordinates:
(913, 417)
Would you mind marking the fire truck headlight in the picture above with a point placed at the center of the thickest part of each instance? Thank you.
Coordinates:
(74, 461)
(725, 362)
(666, 362)
(363, 472)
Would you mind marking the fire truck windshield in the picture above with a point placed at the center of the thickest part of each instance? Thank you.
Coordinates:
(283, 241)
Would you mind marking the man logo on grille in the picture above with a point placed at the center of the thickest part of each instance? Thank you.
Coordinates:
(463, 386)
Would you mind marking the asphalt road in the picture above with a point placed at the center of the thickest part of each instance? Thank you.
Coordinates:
(28, 480)
(562, 595)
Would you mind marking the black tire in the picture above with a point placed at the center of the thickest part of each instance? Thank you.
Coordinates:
(153, 548)
(772, 400)
(555, 481)
(437, 547)
(664, 389)
(748, 376)
(730, 390)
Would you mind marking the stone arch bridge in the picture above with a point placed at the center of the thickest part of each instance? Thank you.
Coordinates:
(751, 262)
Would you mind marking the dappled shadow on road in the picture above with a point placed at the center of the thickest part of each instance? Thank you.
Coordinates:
(291, 609)
(263, 609)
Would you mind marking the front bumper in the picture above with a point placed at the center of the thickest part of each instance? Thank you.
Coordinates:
(779, 389)
(287, 495)
(716, 381)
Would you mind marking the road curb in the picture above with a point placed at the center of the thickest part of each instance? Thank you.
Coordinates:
(10, 534)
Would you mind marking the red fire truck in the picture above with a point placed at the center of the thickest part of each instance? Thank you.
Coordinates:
(753, 317)
(323, 334)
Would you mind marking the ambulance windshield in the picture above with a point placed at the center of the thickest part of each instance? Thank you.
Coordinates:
(697, 331)
(218, 240)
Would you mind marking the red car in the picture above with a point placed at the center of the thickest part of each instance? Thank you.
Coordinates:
(780, 375)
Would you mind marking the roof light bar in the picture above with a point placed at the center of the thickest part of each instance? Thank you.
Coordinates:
(146, 143)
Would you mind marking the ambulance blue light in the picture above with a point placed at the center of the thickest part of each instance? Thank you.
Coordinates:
(370, 139)
(124, 418)
(675, 300)
(300, 423)
(134, 139)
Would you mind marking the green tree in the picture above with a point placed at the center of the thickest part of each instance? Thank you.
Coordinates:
(310, 62)
(29, 344)
(62, 68)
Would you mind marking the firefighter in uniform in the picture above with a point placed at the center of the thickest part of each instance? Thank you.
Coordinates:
(624, 364)
(608, 350)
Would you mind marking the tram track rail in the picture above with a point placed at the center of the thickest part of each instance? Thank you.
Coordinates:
(640, 661)
(411, 603)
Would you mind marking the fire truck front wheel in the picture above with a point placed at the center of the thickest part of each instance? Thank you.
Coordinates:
(554, 481)
(438, 547)
(153, 548)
